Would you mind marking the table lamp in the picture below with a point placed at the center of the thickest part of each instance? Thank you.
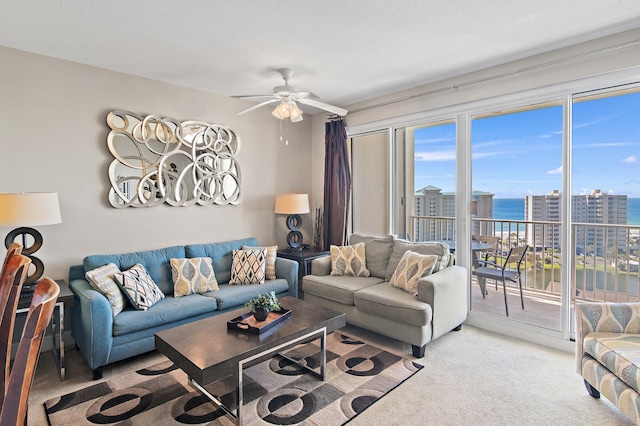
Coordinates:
(24, 210)
(294, 205)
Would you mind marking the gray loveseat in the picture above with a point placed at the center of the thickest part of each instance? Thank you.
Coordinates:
(103, 338)
(371, 303)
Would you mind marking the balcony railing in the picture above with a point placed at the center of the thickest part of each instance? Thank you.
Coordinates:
(603, 258)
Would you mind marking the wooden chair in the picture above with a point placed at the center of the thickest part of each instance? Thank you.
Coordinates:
(12, 278)
(14, 407)
(503, 272)
(14, 249)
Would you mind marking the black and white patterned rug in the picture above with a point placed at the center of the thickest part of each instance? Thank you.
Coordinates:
(275, 391)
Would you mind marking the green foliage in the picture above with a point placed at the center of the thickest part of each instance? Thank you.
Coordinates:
(267, 301)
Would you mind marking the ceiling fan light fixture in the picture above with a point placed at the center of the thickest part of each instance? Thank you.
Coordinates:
(295, 112)
(281, 111)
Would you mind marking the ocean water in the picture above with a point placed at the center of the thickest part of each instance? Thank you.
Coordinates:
(513, 209)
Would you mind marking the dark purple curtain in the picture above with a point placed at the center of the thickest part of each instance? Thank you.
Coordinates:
(337, 184)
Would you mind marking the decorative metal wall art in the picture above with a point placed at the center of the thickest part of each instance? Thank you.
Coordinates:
(161, 160)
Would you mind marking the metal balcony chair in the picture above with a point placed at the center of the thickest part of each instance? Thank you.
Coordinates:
(492, 252)
(14, 407)
(504, 272)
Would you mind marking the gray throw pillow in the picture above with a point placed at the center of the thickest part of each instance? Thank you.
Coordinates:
(400, 246)
(377, 251)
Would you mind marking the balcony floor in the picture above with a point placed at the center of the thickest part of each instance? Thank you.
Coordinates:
(540, 309)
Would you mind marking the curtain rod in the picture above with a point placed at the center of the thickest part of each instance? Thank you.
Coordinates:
(504, 74)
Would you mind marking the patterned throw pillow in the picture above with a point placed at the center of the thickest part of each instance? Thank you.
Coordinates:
(270, 265)
(349, 260)
(103, 281)
(248, 266)
(411, 268)
(192, 276)
(139, 288)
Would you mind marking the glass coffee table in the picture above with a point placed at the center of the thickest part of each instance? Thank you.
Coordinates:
(206, 350)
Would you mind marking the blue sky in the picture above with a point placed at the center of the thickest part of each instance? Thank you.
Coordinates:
(520, 154)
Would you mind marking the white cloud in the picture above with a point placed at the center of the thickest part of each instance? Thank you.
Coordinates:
(436, 156)
(630, 159)
(557, 171)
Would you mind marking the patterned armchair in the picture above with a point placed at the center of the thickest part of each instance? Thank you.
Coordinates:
(608, 353)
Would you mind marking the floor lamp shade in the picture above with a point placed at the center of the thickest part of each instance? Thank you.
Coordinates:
(293, 205)
(25, 210)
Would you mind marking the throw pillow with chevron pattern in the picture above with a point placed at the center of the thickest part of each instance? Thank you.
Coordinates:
(248, 266)
(139, 287)
(411, 268)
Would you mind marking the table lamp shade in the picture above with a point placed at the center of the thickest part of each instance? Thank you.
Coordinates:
(29, 209)
(292, 203)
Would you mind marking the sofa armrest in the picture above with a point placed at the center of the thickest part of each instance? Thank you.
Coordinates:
(92, 323)
(446, 292)
(321, 266)
(604, 318)
(288, 269)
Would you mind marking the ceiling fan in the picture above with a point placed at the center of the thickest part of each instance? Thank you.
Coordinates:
(286, 96)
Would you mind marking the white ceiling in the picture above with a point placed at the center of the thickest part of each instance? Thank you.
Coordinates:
(344, 51)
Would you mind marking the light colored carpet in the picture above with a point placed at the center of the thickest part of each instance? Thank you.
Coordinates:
(470, 377)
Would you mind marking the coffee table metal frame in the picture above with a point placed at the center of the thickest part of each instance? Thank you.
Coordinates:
(237, 416)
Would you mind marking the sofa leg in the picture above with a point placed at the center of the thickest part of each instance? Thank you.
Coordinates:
(592, 391)
(418, 351)
(97, 373)
(458, 328)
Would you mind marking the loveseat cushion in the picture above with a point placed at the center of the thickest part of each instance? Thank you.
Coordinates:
(339, 289)
(234, 296)
(377, 252)
(393, 303)
(619, 352)
(400, 246)
(156, 263)
(165, 311)
(220, 254)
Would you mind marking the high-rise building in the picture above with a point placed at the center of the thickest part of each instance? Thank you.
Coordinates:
(595, 207)
(431, 201)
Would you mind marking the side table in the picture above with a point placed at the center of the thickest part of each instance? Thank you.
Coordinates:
(304, 259)
(65, 300)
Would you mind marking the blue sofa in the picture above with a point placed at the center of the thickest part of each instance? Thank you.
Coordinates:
(104, 339)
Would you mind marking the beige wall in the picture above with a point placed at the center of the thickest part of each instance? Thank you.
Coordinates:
(53, 121)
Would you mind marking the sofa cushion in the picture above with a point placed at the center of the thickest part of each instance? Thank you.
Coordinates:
(377, 252)
(166, 311)
(270, 265)
(234, 296)
(220, 254)
(156, 263)
(619, 352)
(103, 280)
(338, 289)
(393, 303)
(349, 260)
(248, 266)
(139, 288)
(411, 268)
(193, 275)
(400, 246)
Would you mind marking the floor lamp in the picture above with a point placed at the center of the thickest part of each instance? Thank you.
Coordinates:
(293, 205)
(25, 210)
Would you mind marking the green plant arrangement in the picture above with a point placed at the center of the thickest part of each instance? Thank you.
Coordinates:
(263, 304)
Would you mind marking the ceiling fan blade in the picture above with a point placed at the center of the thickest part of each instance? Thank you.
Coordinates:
(258, 106)
(305, 95)
(252, 96)
(315, 103)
